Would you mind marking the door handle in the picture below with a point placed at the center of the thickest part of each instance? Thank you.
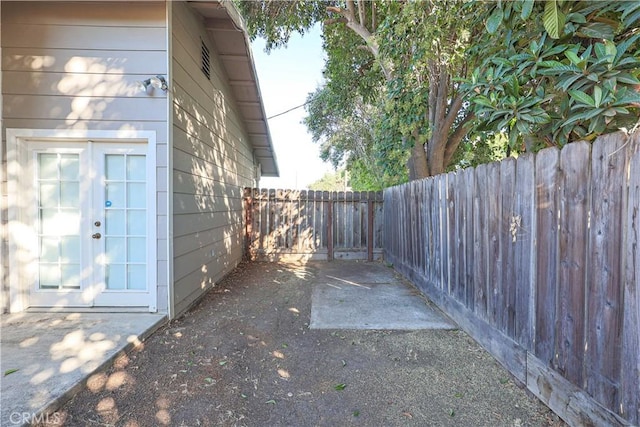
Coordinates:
(96, 235)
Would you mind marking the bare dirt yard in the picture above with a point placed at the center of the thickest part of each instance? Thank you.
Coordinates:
(245, 356)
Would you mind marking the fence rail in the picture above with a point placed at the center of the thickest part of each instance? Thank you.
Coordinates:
(312, 224)
(539, 260)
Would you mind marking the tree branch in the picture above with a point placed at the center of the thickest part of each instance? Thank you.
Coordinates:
(361, 12)
(432, 96)
(374, 24)
(341, 20)
(454, 140)
(362, 31)
(454, 108)
(351, 8)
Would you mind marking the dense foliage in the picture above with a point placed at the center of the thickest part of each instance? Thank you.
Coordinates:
(558, 71)
(332, 181)
(415, 88)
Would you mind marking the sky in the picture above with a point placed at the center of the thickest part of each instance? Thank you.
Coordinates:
(286, 76)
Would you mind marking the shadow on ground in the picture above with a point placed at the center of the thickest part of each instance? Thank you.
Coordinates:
(246, 356)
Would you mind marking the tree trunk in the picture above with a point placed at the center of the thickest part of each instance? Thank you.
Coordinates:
(436, 160)
(417, 164)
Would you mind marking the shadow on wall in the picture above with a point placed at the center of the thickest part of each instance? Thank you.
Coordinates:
(69, 92)
(212, 163)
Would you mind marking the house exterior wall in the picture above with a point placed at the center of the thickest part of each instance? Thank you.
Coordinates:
(212, 162)
(4, 279)
(74, 66)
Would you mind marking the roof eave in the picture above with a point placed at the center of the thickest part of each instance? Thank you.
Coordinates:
(228, 32)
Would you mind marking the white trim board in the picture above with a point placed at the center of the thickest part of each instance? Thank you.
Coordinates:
(16, 159)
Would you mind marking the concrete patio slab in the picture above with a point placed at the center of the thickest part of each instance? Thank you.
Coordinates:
(370, 296)
(46, 357)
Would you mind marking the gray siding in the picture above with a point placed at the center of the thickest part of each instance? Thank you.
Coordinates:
(212, 162)
(75, 66)
(4, 277)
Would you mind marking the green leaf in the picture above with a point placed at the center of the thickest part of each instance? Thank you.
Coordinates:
(580, 96)
(340, 386)
(270, 402)
(10, 371)
(579, 117)
(482, 100)
(628, 79)
(553, 19)
(631, 18)
(597, 95)
(222, 362)
(527, 7)
(596, 30)
(610, 48)
(575, 59)
(494, 21)
(578, 18)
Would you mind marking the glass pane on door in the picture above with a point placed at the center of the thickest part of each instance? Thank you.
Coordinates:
(59, 249)
(125, 224)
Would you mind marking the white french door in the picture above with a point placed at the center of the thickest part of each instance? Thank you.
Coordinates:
(94, 216)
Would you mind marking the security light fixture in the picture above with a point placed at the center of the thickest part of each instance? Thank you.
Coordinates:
(157, 82)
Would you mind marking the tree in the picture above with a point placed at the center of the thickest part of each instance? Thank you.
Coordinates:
(417, 49)
(558, 71)
(346, 132)
(332, 181)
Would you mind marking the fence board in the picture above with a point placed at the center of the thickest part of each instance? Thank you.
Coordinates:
(630, 407)
(574, 205)
(452, 234)
(444, 232)
(546, 183)
(538, 258)
(506, 315)
(604, 280)
(524, 261)
(481, 242)
(469, 280)
(494, 211)
(295, 224)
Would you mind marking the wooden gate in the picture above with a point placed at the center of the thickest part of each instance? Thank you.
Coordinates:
(303, 225)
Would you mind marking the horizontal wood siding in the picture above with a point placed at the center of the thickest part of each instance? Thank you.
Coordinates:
(212, 163)
(74, 65)
(292, 224)
(547, 280)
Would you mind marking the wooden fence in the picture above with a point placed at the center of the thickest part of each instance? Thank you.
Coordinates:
(290, 224)
(539, 260)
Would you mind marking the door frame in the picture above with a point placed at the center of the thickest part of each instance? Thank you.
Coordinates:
(18, 206)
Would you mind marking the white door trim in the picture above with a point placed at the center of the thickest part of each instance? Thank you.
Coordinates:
(20, 253)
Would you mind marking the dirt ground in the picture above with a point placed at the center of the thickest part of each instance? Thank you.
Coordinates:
(245, 356)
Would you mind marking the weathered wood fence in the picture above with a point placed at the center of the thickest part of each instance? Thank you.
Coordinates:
(291, 224)
(539, 260)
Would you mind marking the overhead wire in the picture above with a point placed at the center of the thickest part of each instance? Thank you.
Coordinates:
(289, 110)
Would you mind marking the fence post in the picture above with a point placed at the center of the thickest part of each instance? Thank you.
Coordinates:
(370, 227)
(248, 207)
(330, 228)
